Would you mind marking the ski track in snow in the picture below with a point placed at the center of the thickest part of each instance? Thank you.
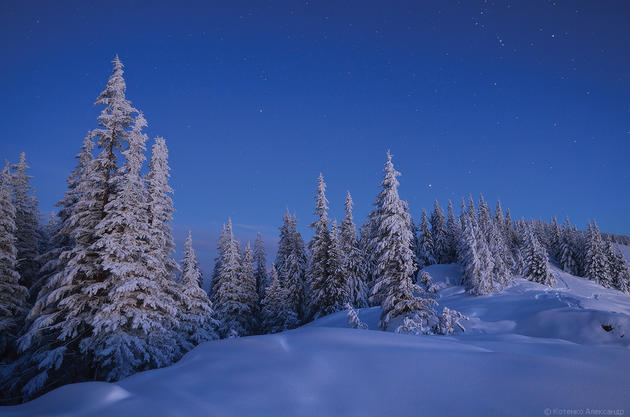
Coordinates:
(529, 349)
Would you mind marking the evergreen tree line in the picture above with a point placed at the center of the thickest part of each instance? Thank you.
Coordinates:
(97, 295)
(492, 249)
(337, 270)
(93, 295)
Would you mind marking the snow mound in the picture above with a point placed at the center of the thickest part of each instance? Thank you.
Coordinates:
(85, 398)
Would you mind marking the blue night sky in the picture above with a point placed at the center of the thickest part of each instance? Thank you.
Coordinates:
(526, 101)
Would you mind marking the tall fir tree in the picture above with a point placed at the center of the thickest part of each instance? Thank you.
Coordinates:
(54, 348)
(395, 262)
(260, 267)
(294, 274)
(160, 207)
(134, 327)
(484, 219)
(160, 214)
(60, 237)
(367, 244)
(499, 217)
(276, 316)
(595, 262)
(354, 259)
(453, 230)
(536, 264)
(115, 126)
(568, 252)
(232, 298)
(247, 282)
(502, 259)
(59, 319)
(475, 258)
(333, 294)
(12, 294)
(221, 245)
(26, 223)
(318, 271)
(426, 247)
(618, 269)
(439, 234)
(285, 244)
(554, 239)
(197, 321)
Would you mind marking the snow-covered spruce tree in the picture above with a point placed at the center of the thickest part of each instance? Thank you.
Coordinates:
(12, 293)
(318, 274)
(499, 217)
(354, 259)
(581, 245)
(54, 260)
(523, 229)
(160, 214)
(26, 223)
(536, 264)
(223, 274)
(58, 320)
(596, 264)
(276, 317)
(49, 250)
(502, 259)
(260, 266)
(475, 258)
(555, 239)
(568, 253)
(47, 231)
(221, 245)
(285, 244)
(294, 274)
(395, 262)
(334, 294)
(484, 220)
(426, 247)
(511, 237)
(134, 326)
(247, 282)
(619, 271)
(160, 206)
(520, 233)
(415, 241)
(470, 208)
(439, 234)
(353, 318)
(367, 244)
(494, 238)
(190, 263)
(232, 296)
(115, 124)
(453, 231)
(196, 317)
(62, 315)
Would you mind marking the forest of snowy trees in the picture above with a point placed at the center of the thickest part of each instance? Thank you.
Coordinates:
(96, 294)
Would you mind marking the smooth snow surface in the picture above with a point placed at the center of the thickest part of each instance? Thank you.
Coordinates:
(531, 351)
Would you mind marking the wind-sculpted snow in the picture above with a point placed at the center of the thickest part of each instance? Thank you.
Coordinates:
(528, 351)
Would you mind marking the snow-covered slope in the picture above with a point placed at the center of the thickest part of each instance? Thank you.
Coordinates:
(531, 351)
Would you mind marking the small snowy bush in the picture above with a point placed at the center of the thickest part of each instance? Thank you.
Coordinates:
(427, 283)
(449, 321)
(353, 319)
(417, 323)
